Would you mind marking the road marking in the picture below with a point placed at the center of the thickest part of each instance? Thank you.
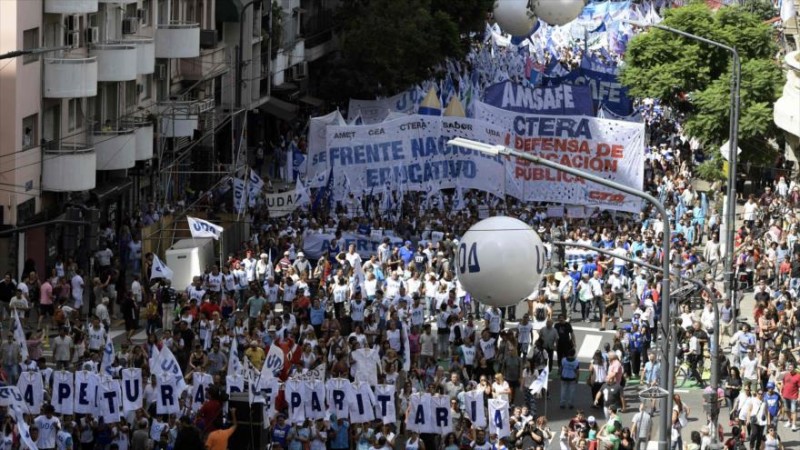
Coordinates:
(591, 342)
(594, 330)
(140, 336)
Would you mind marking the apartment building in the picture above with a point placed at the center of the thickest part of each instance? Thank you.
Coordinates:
(120, 90)
(135, 101)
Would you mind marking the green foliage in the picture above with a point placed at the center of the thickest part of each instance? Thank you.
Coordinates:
(760, 8)
(711, 170)
(388, 45)
(695, 77)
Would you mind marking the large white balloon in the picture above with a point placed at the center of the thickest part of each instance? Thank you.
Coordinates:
(500, 261)
(514, 16)
(558, 12)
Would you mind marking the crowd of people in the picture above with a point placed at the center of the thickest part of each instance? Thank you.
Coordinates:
(405, 302)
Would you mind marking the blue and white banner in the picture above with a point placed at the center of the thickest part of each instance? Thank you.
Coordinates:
(314, 245)
(284, 203)
(557, 100)
(602, 79)
(411, 154)
(610, 149)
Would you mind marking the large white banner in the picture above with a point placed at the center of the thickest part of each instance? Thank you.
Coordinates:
(315, 244)
(315, 170)
(611, 149)
(411, 154)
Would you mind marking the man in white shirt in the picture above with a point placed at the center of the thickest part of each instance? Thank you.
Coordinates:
(249, 266)
(48, 426)
(103, 258)
(77, 284)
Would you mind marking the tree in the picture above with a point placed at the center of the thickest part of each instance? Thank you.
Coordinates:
(388, 45)
(694, 78)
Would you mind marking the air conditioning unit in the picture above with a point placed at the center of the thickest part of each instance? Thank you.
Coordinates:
(92, 35)
(208, 39)
(140, 14)
(130, 25)
(73, 22)
(300, 71)
(74, 39)
(160, 72)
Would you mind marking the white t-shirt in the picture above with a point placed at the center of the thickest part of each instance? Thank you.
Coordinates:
(48, 428)
(749, 368)
(77, 288)
(750, 209)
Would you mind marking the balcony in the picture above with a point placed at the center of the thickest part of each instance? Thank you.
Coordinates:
(211, 63)
(70, 77)
(116, 149)
(68, 167)
(181, 118)
(143, 129)
(145, 54)
(178, 40)
(787, 113)
(116, 61)
(70, 6)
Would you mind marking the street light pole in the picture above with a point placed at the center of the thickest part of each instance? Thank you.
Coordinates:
(715, 358)
(668, 356)
(733, 148)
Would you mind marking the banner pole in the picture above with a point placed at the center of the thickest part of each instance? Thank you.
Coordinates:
(220, 252)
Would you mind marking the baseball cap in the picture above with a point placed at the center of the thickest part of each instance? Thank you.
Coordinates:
(591, 419)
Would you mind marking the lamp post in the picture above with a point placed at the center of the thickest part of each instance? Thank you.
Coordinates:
(666, 304)
(714, 410)
(733, 141)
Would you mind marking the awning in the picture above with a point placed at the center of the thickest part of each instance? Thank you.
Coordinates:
(313, 101)
(280, 109)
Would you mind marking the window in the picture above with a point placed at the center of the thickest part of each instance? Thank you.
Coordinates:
(30, 40)
(75, 114)
(145, 14)
(131, 95)
(147, 87)
(30, 131)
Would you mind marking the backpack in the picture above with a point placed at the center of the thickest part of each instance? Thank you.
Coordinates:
(59, 317)
(541, 314)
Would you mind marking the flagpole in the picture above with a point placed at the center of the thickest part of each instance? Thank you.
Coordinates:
(220, 258)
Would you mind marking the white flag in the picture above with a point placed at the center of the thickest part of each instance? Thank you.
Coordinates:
(19, 337)
(234, 363)
(255, 184)
(458, 199)
(273, 363)
(22, 427)
(302, 193)
(202, 228)
(160, 270)
(168, 364)
(788, 10)
(108, 355)
(238, 195)
(541, 381)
